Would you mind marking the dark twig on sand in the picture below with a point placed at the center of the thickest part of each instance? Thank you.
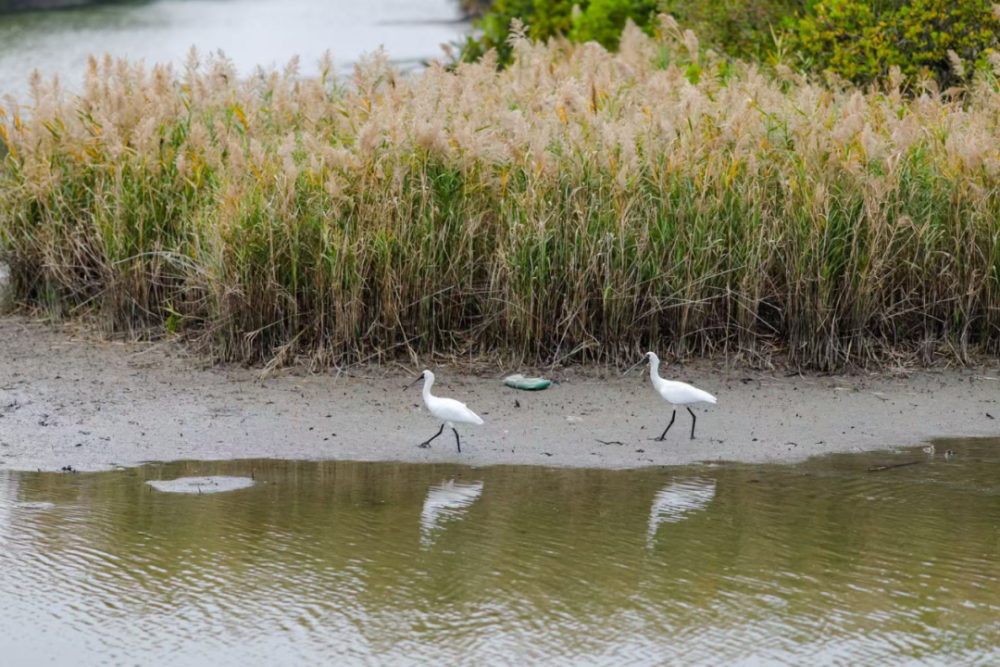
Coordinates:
(611, 442)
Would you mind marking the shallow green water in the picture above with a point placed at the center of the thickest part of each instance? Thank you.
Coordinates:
(396, 564)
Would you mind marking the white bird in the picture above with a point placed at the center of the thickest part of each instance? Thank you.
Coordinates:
(447, 410)
(675, 393)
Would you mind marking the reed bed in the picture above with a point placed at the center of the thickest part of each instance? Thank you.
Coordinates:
(579, 205)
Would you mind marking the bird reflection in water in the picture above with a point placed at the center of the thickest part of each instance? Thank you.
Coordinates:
(444, 502)
(676, 501)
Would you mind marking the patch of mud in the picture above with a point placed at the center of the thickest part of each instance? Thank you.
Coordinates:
(201, 485)
(70, 400)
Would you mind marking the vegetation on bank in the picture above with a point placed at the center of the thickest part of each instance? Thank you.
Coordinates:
(945, 40)
(858, 40)
(741, 28)
(576, 205)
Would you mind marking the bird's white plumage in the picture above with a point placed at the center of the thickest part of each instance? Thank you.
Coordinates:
(447, 409)
(675, 393)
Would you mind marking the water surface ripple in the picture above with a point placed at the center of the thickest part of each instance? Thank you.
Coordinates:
(817, 564)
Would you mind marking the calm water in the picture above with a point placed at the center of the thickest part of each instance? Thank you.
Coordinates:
(393, 564)
(251, 32)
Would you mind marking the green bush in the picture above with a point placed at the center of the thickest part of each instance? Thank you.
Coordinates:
(861, 40)
(740, 28)
(736, 27)
(597, 20)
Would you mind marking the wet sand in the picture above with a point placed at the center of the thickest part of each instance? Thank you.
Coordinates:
(70, 399)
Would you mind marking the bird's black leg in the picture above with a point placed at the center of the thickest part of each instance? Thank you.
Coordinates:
(427, 443)
(694, 420)
(457, 441)
(664, 436)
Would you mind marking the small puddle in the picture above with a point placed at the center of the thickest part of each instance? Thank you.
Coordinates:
(821, 563)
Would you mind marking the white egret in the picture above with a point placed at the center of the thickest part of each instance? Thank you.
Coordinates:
(675, 393)
(447, 410)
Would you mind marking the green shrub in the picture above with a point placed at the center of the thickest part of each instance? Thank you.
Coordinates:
(861, 40)
(736, 27)
(597, 20)
(740, 28)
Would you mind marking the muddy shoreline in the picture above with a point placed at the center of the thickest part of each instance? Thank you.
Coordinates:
(70, 399)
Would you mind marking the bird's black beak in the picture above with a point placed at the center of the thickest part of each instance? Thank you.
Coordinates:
(419, 378)
(641, 362)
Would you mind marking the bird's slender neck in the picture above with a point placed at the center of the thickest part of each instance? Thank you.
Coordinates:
(654, 368)
(428, 381)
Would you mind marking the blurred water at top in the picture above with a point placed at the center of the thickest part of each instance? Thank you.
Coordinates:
(251, 32)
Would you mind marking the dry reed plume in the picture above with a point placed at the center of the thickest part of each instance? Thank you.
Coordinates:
(577, 205)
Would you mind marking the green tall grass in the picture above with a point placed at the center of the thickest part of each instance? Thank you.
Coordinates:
(579, 205)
